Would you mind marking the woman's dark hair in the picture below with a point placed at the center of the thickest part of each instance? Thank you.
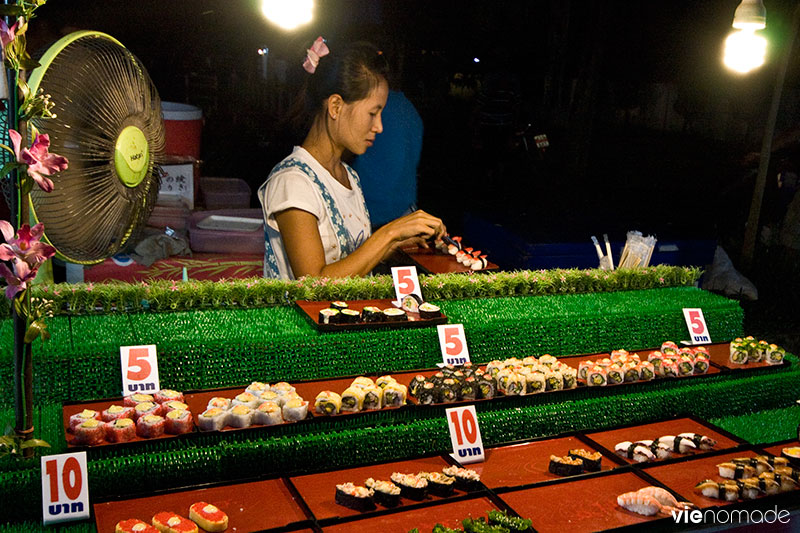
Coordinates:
(351, 72)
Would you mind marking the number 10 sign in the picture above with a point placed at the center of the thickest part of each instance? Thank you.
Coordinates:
(465, 434)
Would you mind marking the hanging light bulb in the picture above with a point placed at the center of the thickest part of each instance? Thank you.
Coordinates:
(744, 50)
(288, 14)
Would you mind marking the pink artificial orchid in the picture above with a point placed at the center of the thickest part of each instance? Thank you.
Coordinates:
(17, 280)
(40, 162)
(26, 246)
(7, 35)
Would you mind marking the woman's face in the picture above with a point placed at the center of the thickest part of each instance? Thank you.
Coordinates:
(360, 121)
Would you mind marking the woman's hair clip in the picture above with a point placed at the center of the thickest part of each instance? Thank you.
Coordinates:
(318, 49)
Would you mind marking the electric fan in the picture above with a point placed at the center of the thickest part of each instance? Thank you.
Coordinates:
(108, 124)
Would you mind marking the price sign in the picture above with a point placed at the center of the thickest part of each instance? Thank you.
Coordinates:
(453, 343)
(65, 487)
(139, 369)
(405, 282)
(696, 322)
(465, 434)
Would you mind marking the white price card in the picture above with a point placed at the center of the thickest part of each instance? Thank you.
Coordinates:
(453, 343)
(139, 369)
(465, 434)
(405, 282)
(65, 488)
(696, 322)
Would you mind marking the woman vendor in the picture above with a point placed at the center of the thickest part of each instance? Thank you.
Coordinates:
(317, 222)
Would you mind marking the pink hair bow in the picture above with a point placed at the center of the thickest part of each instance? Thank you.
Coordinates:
(318, 49)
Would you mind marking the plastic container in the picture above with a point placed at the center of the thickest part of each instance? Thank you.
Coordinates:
(225, 193)
(227, 241)
(183, 128)
(175, 217)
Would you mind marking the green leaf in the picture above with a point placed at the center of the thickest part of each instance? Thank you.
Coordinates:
(7, 168)
(34, 443)
(35, 330)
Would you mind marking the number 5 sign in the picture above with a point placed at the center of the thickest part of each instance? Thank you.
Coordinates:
(65, 487)
(465, 434)
(405, 282)
(696, 323)
(139, 369)
(453, 343)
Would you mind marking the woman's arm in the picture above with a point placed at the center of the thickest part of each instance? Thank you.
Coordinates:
(306, 255)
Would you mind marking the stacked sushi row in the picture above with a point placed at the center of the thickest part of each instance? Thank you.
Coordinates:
(751, 350)
(412, 486)
(339, 312)
(208, 516)
(625, 367)
(664, 447)
(140, 415)
(260, 403)
(575, 462)
(750, 477)
(474, 259)
(363, 394)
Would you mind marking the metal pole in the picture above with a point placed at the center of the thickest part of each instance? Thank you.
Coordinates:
(751, 230)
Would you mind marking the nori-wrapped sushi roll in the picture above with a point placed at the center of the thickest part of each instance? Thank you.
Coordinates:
(591, 460)
(469, 389)
(372, 314)
(416, 384)
(393, 314)
(449, 390)
(565, 466)
(411, 486)
(448, 371)
(437, 378)
(428, 393)
(339, 305)
(466, 479)
(429, 311)
(439, 483)
(329, 316)
(411, 303)
(349, 316)
(534, 383)
(487, 387)
(385, 493)
(354, 497)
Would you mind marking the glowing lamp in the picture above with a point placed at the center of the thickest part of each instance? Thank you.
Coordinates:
(288, 14)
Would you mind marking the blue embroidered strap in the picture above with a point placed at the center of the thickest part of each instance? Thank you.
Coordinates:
(270, 263)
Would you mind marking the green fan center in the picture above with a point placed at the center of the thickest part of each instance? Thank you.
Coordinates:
(132, 156)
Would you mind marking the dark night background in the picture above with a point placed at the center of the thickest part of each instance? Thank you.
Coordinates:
(647, 129)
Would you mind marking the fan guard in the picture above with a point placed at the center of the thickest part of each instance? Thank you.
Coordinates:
(110, 128)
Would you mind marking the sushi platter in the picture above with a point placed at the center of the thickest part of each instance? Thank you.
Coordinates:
(367, 314)
(515, 478)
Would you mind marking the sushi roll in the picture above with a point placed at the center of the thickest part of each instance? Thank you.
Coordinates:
(134, 525)
(120, 430)
(146, 408)
(494, 367)
(614, 374)
(267, 396)
(411, 303)
(393, 314)
(371, 314)
(328, 316)
(439, 483)
(466, 479)
(416, 384)
(701, 364)
(669, 368)
(240, 416)
(604, 362)
(647, 371)
(268, 414)
(295, 409)
(328, 403)
(385, 493)
(218, 402)
(630, 372)
(487, 387)
(349, 316)
(669, 347)
(739, 352)
(116, 411)
(362, 382)
(257, 388)
(90, 432)
(79, 418)
(429, 311)
(150, 426)
(469, 389)
(596, 377)
(353, 399)
(178, 422)
(166, 395)
(553, 380)
(428, 394)
(619, 356)
(591, 460)
(245, 399)
(133, 399)
(209, 517)
(169, 522)
(685, 365)
(448, 391)
(212, 419)
(565, 466)
(282, 388)
(394, 395)
(172, 405)
(411, 486)
(583, 369)
(547, 359)
(282, 399)
(339, 305)
(355, 497)
(775, 355)
(534, 383)
(382, 381)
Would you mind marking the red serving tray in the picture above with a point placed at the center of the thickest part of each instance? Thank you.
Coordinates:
(683, 476)
(609, 439)
(448, 514)
(433, 261)
(319, 490)
(584, 505)
(246, 505)
(311, 310)
(522, 464)
(720, 355)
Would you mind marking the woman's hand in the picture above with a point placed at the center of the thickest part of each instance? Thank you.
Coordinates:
(415, 228)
